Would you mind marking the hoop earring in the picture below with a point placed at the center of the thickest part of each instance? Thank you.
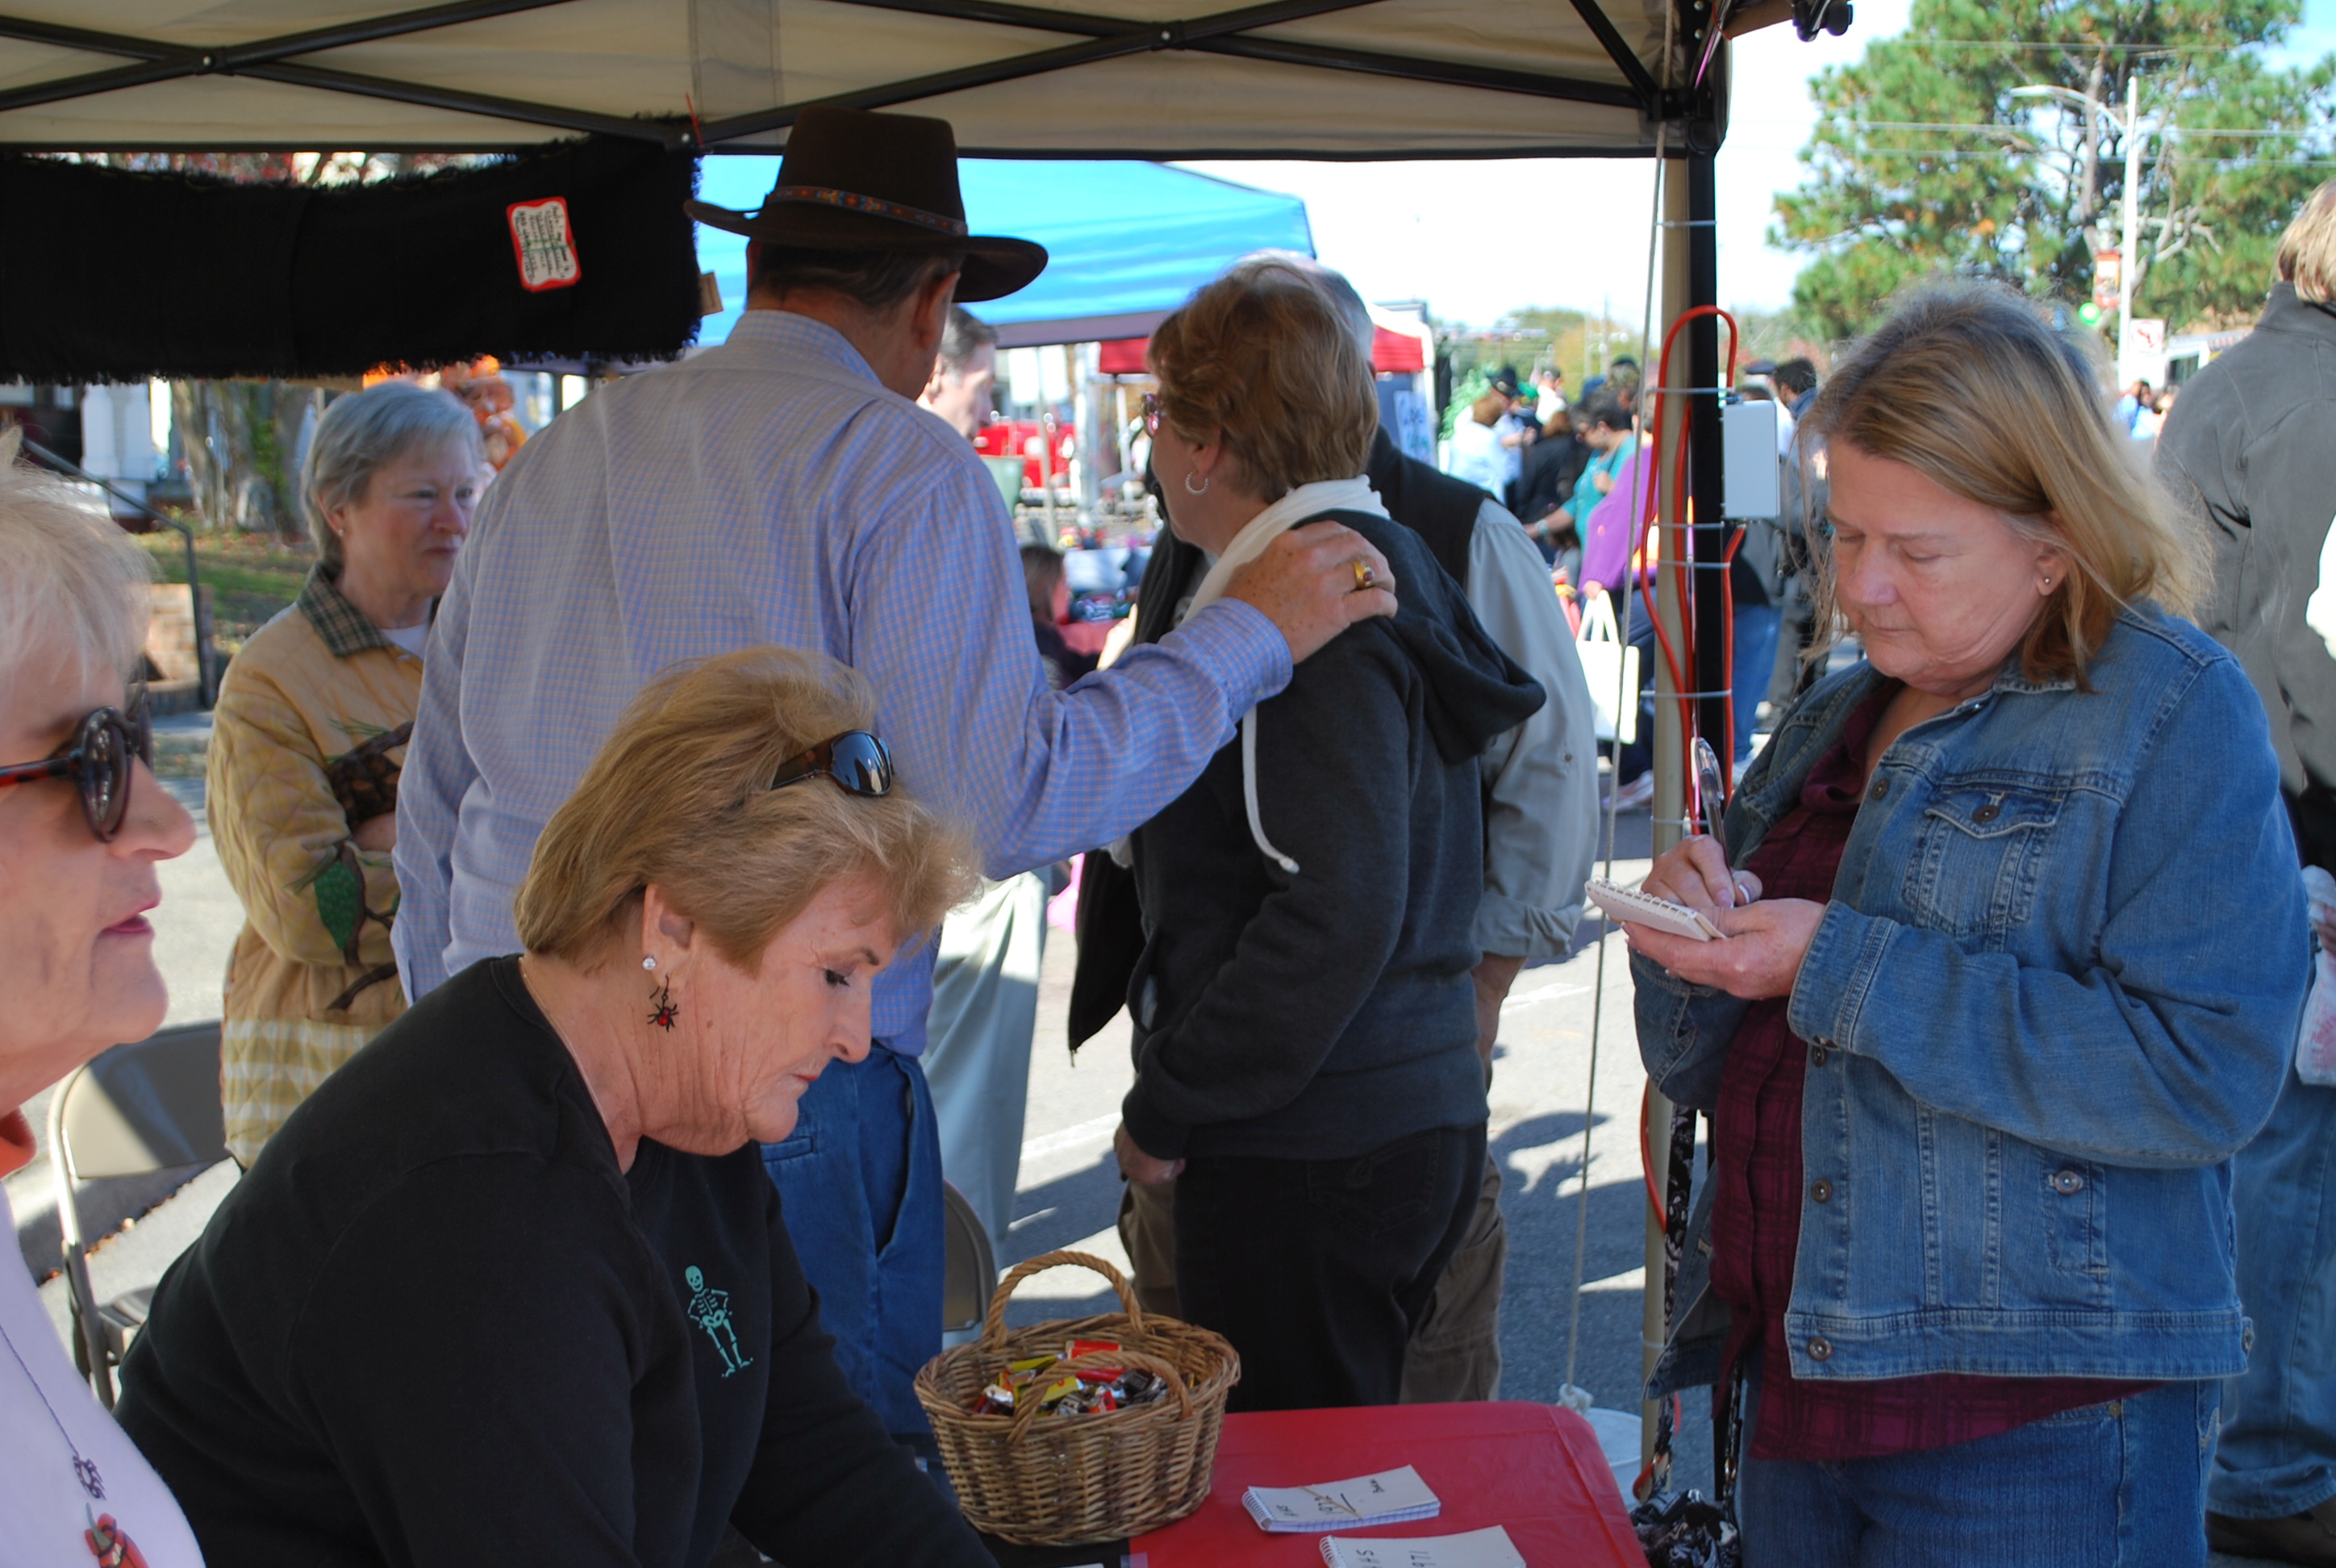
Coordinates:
(1191, 488)
(666, 1009)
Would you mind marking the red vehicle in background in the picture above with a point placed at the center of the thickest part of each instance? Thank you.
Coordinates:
(1046, 441)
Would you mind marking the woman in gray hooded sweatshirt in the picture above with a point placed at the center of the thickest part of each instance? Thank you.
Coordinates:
(1305, 1025)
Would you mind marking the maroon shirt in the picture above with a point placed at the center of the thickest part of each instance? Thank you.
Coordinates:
(1755, 1226)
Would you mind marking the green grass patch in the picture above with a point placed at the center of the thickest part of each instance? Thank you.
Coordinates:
(251, 578)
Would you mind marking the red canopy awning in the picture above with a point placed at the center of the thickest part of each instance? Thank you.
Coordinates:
(1392, 354)
(1395, 353)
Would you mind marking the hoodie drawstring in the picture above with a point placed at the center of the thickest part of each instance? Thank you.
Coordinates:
(1249, 794)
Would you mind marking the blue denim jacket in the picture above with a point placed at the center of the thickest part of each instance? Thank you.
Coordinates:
(2053, 993)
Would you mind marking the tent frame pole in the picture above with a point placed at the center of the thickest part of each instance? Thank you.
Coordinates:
(1670, 735)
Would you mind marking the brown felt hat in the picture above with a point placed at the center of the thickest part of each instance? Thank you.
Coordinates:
(856, 181)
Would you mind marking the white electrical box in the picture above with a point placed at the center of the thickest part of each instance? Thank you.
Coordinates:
(1747, 439)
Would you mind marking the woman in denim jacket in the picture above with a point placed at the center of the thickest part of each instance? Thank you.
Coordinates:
(2014, 954)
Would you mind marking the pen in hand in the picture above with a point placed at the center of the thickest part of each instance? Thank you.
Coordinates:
(1710, 795)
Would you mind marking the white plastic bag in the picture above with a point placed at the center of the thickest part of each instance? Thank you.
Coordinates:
(2315, 1042)
(1610, 665)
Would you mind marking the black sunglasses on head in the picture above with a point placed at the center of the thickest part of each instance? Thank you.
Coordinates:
(857, 761)
(105, 748)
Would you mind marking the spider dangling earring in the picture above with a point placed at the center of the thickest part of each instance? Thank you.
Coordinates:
(666, 1008)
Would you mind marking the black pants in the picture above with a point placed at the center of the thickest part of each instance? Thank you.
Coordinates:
(1318, 1270)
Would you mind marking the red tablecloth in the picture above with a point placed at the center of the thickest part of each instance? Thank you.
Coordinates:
(1535, 1469)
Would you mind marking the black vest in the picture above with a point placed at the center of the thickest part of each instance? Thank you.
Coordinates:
(1436, 506)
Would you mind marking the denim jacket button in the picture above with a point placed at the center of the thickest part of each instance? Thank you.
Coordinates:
(2067, 1183)
(1820, 1348)
(1817, 1057)
(1881, 788)
(1988, 812)
(1822, 1191)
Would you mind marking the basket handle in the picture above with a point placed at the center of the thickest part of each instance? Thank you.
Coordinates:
(993, 1330)
(1026, 1414)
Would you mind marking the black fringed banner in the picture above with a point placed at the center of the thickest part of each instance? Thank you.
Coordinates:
(111, 275)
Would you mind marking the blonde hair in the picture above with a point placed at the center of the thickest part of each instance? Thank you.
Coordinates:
(1261, 361)
(2307, 250)
(74, 583)
(681, 796)
(1969, 386)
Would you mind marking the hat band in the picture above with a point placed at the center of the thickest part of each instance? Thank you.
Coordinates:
(874, 206)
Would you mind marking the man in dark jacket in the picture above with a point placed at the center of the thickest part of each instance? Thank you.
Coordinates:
(2253, 441)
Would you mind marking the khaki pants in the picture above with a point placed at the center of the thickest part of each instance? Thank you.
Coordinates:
(1455, 1348)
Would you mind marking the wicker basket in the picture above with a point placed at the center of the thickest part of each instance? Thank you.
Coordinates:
(1041, 1479)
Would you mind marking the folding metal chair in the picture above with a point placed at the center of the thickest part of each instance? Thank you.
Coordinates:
(970, 1272)
(137, 1109)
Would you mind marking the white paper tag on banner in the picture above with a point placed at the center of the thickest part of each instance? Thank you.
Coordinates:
(544, 244)
(2315, 1040)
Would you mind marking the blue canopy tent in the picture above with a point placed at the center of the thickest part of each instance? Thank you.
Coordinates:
(1127, 240)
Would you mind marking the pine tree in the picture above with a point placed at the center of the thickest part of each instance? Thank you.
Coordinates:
(1923, 161)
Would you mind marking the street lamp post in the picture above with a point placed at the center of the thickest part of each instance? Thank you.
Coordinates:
(2129, 219)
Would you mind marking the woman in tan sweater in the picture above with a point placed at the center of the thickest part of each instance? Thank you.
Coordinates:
(310, 731)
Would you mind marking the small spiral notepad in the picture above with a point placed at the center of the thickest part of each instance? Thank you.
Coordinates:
(1390, 1497)
(1487, 1548)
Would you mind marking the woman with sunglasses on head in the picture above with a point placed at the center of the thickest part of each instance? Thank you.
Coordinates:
(512, 1286)
(83, 824)
(310, 733)
(1305, 1020)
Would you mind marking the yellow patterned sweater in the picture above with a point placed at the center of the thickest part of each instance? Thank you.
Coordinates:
(309, 733)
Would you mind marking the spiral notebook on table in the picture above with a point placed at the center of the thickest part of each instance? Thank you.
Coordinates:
(1390, 1497)
(1487, 1548)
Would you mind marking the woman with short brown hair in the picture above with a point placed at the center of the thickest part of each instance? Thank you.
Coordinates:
(512, 1285)
(1304, 1016)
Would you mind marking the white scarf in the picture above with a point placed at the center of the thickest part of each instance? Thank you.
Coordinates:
(1307, 500)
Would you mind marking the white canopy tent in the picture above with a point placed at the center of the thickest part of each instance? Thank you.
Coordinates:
(1106, 78)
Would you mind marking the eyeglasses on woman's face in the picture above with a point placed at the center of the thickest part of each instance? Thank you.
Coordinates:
(861, 764)
(104, 749)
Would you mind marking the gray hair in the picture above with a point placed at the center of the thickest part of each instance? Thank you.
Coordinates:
(366, 431)
(1331, 284)
(966, 335)
(75, 583)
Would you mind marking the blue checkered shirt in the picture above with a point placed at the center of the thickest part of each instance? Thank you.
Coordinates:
(771, 490)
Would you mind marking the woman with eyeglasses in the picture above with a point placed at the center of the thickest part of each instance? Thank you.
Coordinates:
(309, 740)
(83, 824)
(511, 1286)
(1305, 1020)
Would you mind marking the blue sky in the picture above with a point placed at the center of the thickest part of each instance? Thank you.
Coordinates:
(1477, 240)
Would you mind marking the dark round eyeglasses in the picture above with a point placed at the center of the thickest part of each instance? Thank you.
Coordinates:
(856, 760)
(104, 750)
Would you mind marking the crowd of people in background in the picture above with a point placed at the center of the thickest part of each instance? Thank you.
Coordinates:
(644, 864)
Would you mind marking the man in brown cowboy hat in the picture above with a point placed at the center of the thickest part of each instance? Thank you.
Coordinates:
(785, 488)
